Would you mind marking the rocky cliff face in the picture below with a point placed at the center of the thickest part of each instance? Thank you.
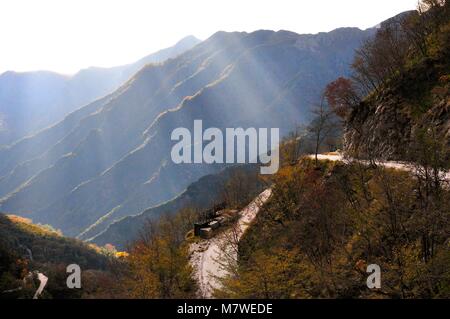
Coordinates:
(385, 125)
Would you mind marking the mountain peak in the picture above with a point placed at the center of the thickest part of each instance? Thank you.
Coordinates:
(188, 40)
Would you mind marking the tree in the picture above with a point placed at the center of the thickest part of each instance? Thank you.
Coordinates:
(241, 187)
(380, 58)
(159, 261)
(293, 146)
(341, 96)
(430, 160)
(322, 125)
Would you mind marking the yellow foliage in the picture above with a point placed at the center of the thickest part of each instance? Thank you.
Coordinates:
(122, 254)
(324, 225)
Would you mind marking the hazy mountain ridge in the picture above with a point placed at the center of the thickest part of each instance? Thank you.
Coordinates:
(30, 101)
(268, 78)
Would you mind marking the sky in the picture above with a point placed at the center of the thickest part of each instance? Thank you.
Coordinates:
(67, 35)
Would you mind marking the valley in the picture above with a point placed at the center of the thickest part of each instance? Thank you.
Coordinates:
(249, 165)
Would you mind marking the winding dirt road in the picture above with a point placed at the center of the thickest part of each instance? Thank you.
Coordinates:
(403, 166)
(43, 279)
(208, 256)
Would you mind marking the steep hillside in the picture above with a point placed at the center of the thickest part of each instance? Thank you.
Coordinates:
(43, 244)
(326, 222)
(31, 101)
(26, 248)
(407, 113)
(387, 125)
(268, 78)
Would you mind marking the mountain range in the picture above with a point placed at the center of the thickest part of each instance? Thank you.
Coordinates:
(31, 101)
(111, 158)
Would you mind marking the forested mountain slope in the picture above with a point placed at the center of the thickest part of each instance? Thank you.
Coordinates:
(27, 248)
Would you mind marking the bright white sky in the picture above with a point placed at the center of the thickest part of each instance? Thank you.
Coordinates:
(67, 35)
